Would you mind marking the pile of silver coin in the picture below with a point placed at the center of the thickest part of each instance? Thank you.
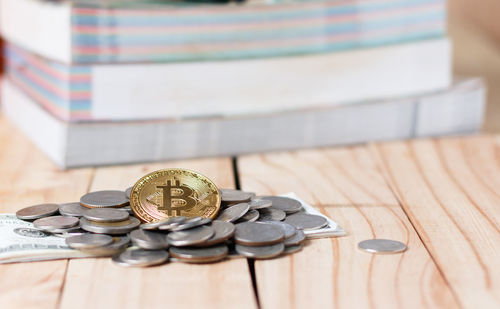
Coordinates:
(102, 224)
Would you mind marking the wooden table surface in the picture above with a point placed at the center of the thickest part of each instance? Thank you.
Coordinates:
(441, 197)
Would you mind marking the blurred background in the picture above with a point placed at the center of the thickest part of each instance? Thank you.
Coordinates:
(98, 82)
(475, 30)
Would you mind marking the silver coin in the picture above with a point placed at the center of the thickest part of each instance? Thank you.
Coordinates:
(70, 233)
(296, 239)
(292, 249)
(119, 244)
(103, 199)
(37, 211)
(232, 254)
(127, 209)
(55, 222)
(306, 221)
(140, 257)
(189, 224)
(88, 241)
(106, 215)
(251, 216)
(257, 234)
(288, 205)
(127, 192)
(288, 229)
(74, 229)
(234, 196)
(382, 246)
(166, 223)
(259, 203)
(72, 209)
(260, 252)
(200, 255)
(149, 240)
(190, 237)
(114, 228)
(234, 212)
(271, 214)
(118, 261)
(223, 231)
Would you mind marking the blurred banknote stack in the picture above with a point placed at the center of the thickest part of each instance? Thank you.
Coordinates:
(106, 82)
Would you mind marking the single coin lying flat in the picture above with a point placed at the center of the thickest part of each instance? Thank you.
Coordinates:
(106, 215)
(55, 223)
(119, 244)
(140, 257)
(257, 234)
(271, 214)
(113, 228)
(306, 221)
(261, 252)
(288, 205)
(200, 255)
(103, 199)
(37, 211)
(382, 246)
(72, 209)
(88, 241)
(232, 196)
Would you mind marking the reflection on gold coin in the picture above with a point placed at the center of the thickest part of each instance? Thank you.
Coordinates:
(174, 192)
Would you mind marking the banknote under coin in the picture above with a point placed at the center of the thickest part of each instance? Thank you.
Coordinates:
(332, 229)
(21, 242)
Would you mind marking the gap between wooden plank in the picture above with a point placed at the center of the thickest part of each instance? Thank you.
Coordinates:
(341, 176)
(383, 169)
(63, 284)
(93, 282)
(251, 262)
(455, 215)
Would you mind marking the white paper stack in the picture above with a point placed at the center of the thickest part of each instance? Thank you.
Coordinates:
(458, 110)
(111, 82)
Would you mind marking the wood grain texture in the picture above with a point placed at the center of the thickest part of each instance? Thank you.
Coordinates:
(98, 283)
(27, 177)
(334, 272)
(449, 190)
(342, 176)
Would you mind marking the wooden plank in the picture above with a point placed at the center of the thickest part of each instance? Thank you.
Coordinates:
(98, 283)
(454, 209)
(27, 177)
(334, 272)
(341, 177)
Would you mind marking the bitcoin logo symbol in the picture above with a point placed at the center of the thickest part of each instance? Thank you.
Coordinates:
(173, 203)
(174, 192)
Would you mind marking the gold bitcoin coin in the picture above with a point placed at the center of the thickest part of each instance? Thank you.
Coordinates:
(174, 192)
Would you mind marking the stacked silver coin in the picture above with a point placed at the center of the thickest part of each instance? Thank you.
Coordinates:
(247, 226)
